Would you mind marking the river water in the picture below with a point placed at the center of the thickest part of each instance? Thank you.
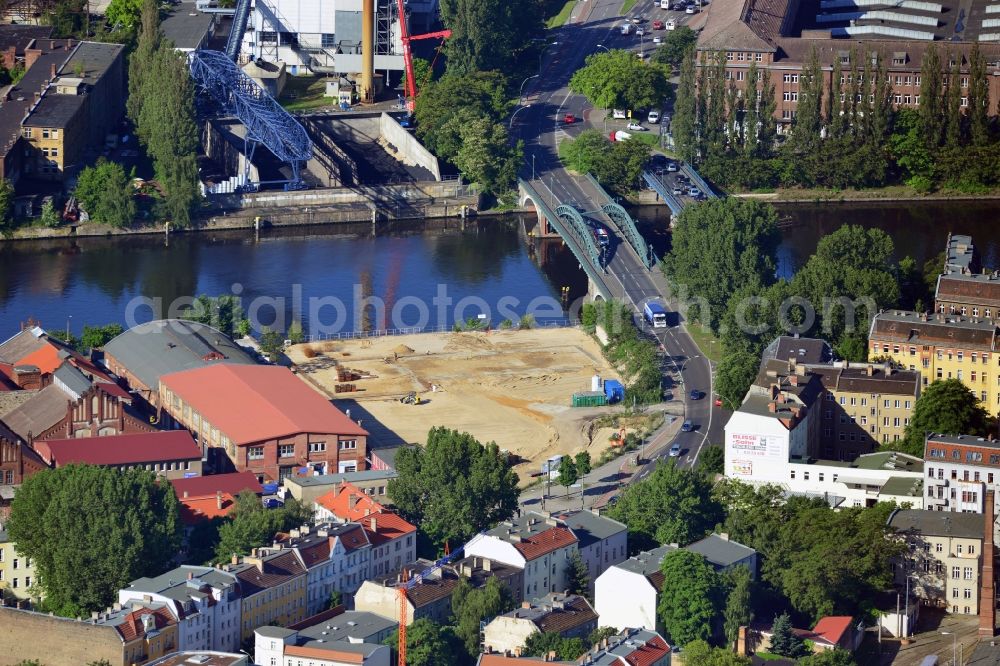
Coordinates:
(416, 275)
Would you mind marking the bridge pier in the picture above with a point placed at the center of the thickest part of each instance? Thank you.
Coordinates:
(593, 293)
(542, 229)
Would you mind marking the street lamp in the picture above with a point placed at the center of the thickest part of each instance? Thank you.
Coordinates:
(954, 646)
(521, 91)
(602, 46)
(519, 110)
(542, 53)
(532, 166)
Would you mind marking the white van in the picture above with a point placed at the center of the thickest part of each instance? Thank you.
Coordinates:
(664, 4)
(618, 114)
(671, 25)
(627, 28)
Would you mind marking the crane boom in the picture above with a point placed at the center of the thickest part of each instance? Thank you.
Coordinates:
(410, 83)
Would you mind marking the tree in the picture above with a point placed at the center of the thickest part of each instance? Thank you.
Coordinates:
(751, 119)
(689, 597)
(6, 204)
(719, 246)
(768, 107)
(712, 460)
(953, 104)
(453, 487)
(123, 13)
(579, 575)
(946, 407)
(620, 170)
(336, 599)
(784, 641)
(223, 312)
(676, 45)
(737, 613)
(672, 505)
(582, 462)
(470, 606)
(488, 34)
(685, 122)
(585, 152)
(700, 653)
(736, 372)
(271, 342)
(295, 333)
(599, 634)
(91, 529)
(567, 472)
(95, 337)
(66, 18)
(616, 79)
(931, 110)
(908, 146)
(427, 644)
(540, 644)
(808, 121)
(834, 657)
(464, 98)
(978, 97)
(486, 156)
(105, 191)
(252, 525)
(50, 216)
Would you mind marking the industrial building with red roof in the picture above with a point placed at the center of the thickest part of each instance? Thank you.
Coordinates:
(169, 453)
(263, 419)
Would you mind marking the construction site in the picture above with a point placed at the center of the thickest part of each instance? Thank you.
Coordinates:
(513, 387)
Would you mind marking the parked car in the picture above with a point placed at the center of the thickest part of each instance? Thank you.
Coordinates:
(672, 167)
(695, 394)
(635, 127)
(654, 117)
(657, 40)
(675, 450)
(671, 24)
(639, 32)
(569, 119)
(691, 10)
(658, 25)
(678, 191)
(694, 192)
(617, 114)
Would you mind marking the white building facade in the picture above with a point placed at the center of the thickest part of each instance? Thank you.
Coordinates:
(337, 557)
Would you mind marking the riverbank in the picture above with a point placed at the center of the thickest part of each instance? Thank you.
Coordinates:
(890, 194)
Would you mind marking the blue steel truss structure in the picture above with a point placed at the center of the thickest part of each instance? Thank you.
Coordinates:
(266, 122)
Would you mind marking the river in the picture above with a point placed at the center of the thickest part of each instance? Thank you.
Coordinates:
(431, 275)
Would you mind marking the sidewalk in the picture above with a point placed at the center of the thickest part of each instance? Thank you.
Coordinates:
(606, 478)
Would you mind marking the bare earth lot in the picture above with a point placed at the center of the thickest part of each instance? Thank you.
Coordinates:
(511, 387)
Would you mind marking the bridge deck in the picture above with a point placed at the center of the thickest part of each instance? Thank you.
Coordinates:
(661, 189)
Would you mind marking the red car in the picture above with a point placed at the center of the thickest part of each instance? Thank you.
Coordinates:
(718, 402)
(658, 25)
(569, 119)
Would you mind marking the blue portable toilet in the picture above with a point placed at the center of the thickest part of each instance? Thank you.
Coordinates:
(613, 390)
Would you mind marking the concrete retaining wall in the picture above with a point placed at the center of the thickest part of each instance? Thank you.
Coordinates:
(408, 149)
(378, 195)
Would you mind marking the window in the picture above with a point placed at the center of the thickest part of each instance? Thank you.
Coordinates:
(972, 549)
(959, 549)
(268, 37)
(15, 562)
(286, 450)
(967, 573)
(938, 547)
(316, 447)
(348, 444)
(328, 40)
(255, 453)
(956, 572)
(27, 132)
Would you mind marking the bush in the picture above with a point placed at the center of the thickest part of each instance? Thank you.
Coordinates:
(526, 322)
(309, 352)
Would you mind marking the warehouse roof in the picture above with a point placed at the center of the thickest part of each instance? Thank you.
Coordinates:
(937, 523)
(590, 527)
(186, 27)
(718, 550)
(165, 346)
(941, 330)
(55, 110)
(129, 449)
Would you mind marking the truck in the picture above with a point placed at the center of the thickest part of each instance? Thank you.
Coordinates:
(601, 237)
(614, 391)
(655, 314)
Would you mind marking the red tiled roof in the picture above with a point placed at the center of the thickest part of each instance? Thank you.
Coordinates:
(277, 570)
(250, 403)
(650, 653)
(133, 448)
(46, 358)
(387, 526)
(7, 382)
(232, 483)
(338, 502)
(318, 552)
(324, 653)
(131, 626)
(195, 510)
(833, 627)
(551, 539)
(354, 539)
(502, 660)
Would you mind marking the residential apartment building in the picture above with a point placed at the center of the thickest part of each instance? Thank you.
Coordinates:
(337, 557)
(961, 470)
(346, 502)
(428, 594)
(263, 419)
(373, 482)
(570, 616)
(273, 586)
(147, 630)
(328, 639)
(775, 36)
(940, 346)
(944, 557)
(864, 405)
(18, 461)
(204, 602)
(17, 573)
(964, 288)
(172, 454)
(601, 541)
(626, 595)
(535, 543)
(144, 353)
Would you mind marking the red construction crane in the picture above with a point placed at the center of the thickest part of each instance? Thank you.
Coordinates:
(404, 33)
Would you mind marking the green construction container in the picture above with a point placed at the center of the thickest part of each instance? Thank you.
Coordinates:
(589, 399)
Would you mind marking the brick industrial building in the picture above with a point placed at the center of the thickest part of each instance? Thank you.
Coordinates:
(780, 36)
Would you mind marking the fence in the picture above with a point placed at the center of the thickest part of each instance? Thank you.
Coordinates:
(564, 322)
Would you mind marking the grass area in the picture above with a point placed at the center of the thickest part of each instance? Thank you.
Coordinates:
(563, 15)
(707, 343)
(648, 138)
(767, 656)
(302, 93)
(627, 5)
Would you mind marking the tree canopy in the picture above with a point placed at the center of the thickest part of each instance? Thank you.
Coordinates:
(671, 505)
(946, 407)
(90, 530)
(784, 641)
(488, 34)
(454, 486)
(470, 606)
(252, 525)
(447, 104)
(689, 598)
(700, 653)
(540, 644)
(427, 644)
(677, 44)
(105, 191)
(718, 246)
(617, 79)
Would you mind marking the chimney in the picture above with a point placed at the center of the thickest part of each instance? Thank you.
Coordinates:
(526, 604)
(800, 370)
(28, 377)
(374, 524)
(218, 499)
(741, 642)
(236, 559)
(185, 494)
(190, 575)
(771, 407)
(987, 592)
(352, 501)
(30, 57)
(793, 380)
(870, 370)
(52, 71)
(724, 535)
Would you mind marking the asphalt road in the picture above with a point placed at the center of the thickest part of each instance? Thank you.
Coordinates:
(596, 25)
